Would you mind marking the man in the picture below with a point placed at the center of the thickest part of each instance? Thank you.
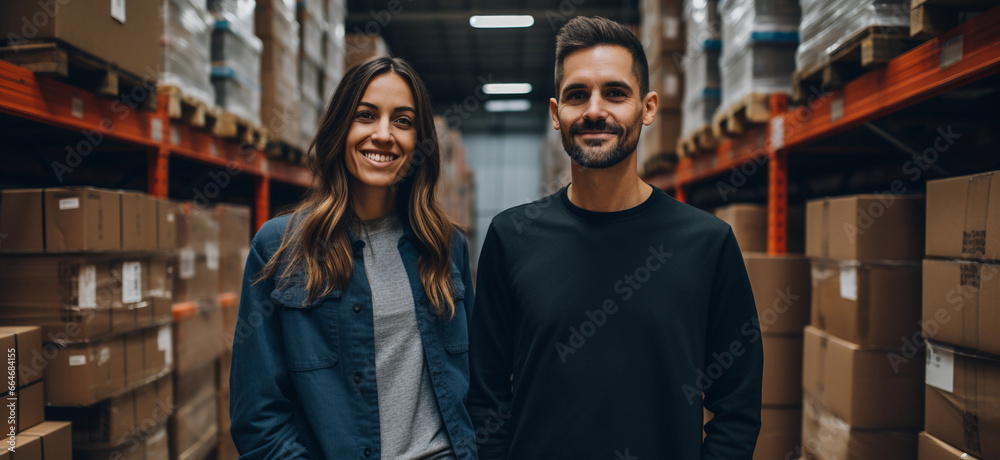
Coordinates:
(619, 311)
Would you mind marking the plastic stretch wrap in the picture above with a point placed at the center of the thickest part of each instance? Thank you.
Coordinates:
(312, 29)
(701, 19)
(187, 38)
(239, 13)
(310, 118)
(236, 70)
(826, 25)
(277, 28)
(759, 38)
(697, 111)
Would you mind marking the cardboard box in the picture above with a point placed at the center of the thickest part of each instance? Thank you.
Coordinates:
(782, 291)
(963, 399)
(225, 369)
(162, 271)
(864, 387)
(157, 445)
(28, 408)
(749, 223)
(154, 403)
(780, 432)
(158, 353)
(194, 425)
(105, 424)
(83, 374)
(26, 447)
(963, 217)
(128, 38)
(782, 383)
(21, 217)
(196, 336)
(865, 227)
(128, 286)
(931, 448)
(56, 439)
(869, 304)
(961, 303)
(827, 437)
(198, 229)
(667, 79)
(138, 221)
(166, 224)
(82, 219)
(25, 342)
(134, 367)
(226, 448)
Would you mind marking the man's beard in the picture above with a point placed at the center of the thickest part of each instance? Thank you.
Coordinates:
(626, 142)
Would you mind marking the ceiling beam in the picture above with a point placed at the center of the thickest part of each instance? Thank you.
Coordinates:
(542, 16)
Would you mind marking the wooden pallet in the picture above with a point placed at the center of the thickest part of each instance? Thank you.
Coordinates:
(929, 18)
(284, 151)
(59, 60)
(734, 120)
(661, 163)
(869, 48)
(230, 126)
(699, 141)
(187, 109)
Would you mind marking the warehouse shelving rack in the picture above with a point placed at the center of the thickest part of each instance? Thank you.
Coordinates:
(956, 58)
(52, 102)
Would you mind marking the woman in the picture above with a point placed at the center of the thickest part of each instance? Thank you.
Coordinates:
(353, 324)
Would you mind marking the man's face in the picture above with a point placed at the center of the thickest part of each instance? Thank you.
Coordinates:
(600, 111)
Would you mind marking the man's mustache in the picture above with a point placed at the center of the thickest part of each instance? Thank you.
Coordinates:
(595, 125)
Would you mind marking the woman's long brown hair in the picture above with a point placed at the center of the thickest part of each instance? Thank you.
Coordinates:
(316, 239)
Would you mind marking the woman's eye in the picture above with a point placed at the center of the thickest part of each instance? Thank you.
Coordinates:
(364, 116)
(404, 121)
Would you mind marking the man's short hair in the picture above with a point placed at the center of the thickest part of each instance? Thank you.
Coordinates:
(587, 32)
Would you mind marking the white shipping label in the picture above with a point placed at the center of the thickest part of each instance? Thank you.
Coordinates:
(212, 255)
(156, 129)
(837, 109)
(778, 132)
(175, 135)
(131, 282)
(671, 84)
(186, 270)
(76, 107)
(170, 217)
(849, 282)
(87, 287)
(69, 203)
(78, 360)
(118, 10)
(940, 371)
(951, 51)
(244, 255)
(103, 356)
(671, 27)
(164, 343)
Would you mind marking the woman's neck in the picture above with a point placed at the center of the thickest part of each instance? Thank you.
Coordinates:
(372, 202)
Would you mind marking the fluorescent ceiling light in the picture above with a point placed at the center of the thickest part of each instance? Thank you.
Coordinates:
(501, 21)
(507, 88)
(508, 105)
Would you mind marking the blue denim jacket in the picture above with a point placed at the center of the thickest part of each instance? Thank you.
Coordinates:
(303, 375)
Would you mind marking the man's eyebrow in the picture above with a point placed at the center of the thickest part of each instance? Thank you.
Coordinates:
(618, 84)
(572, 87)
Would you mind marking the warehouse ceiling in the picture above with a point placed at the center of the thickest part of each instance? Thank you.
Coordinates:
(454, 58)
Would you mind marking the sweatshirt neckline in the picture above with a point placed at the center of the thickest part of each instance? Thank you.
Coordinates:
(598, 216)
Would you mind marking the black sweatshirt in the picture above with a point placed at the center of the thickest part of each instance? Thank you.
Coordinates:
(613, 325)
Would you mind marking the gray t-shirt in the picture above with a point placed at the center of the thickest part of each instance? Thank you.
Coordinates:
(409, 418)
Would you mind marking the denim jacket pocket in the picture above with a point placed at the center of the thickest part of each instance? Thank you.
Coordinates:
(456, 331)
(309, 329)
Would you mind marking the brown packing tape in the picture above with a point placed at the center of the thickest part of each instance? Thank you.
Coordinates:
(977, 205)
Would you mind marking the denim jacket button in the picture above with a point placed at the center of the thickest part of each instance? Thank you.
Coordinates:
(368, 452)
(357, 308)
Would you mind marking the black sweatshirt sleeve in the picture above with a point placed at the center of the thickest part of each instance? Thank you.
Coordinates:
(734, 342)
(491, 352)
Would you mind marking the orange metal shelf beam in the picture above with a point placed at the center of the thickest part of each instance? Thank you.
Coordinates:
(971, 52)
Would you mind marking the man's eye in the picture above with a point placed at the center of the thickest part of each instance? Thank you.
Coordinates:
(616, 93)
(576, 95)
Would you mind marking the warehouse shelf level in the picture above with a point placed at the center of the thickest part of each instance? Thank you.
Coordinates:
(959, 57)
(51, 102)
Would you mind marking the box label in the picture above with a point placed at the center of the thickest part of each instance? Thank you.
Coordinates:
(87, 287)
(170, 217)
(671, 27)
(69, 203)
(951, 51)
(212, 255)
(940, 371)
(164, 343)
(131, 282)
(76, 107)
(186, 270)
(778, 132)
(671, 85)
(970, 275)
(156, 129)
(849, 282)
(118, 10)
(78, 360)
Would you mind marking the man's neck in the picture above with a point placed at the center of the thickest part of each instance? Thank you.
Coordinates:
(607, 190)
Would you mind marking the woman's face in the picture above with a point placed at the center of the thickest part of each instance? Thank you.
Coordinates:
(383, 133)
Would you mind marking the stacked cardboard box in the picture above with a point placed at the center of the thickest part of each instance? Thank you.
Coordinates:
(759, 38)
(781, 289)
(91, 271)
(749, 223)
(313, 30)
(702, 92)
(335, 47)
(360, 47)
(662, 35)
(278, 31)
(961, 308)
(236, 58)
(861, 401)
(234, 223)
(455, 187)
